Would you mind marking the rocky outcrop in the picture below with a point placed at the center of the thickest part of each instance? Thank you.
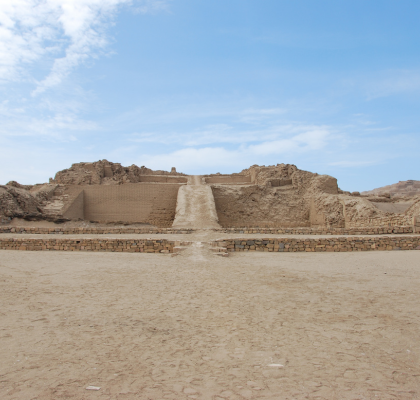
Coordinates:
(283, 195)
(29, 202)
(104, 172)
(18, 202)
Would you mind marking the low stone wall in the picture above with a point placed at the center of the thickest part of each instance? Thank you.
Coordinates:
(322, 231)
(321, 245)
(263, 231)
(395, 220)
(417, 224)
(92, 231)
(96, 245)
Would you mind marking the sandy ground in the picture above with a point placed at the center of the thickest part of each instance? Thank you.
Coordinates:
(139, 326)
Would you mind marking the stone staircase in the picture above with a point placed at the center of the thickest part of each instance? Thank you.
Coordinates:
(219, 248)
(216, 248)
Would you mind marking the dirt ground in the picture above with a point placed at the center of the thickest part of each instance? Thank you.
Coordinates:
(251, 326)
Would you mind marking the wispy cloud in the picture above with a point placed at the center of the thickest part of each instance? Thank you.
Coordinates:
(354, 163)
(293, 144)
(268, 138)
(393, 82)
(61, 125)
(69, 31)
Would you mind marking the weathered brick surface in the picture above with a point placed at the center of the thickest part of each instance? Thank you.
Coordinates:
(341, 244)
(268, 231)
(80, 244)
(91, 231)
(382, 230)
(142, 203)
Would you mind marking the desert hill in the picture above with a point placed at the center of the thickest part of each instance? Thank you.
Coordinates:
(402, 188)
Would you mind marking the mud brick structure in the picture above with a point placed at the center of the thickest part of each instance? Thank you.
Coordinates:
(280, 197)
(92, 231)
(322, 231)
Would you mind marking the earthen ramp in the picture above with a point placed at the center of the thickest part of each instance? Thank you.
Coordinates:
(195, 206)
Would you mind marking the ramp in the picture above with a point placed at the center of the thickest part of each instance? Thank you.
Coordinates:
(195, 207)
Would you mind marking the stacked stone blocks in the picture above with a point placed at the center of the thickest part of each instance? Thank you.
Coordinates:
(92, 231)
(322, 244)
(266, 231)
(94, 245)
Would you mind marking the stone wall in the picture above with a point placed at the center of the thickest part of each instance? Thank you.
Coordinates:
(394, 220)
(133, 203)
(96, 245)
(322, 245)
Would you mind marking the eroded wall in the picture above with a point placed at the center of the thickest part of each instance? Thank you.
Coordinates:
(228, 179)
(262, 206)
(75, 209)
(163, 179)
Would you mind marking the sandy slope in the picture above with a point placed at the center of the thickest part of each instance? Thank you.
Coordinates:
(343, 326)
(195, 207)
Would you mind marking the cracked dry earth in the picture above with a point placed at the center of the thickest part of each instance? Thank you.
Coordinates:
(196, 326)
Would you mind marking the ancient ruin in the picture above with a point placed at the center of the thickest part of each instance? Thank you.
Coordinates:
(279, 196)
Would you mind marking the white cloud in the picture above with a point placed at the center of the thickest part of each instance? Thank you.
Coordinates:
(59, 126)
(313, 139)
(71, 31)
(300, 139)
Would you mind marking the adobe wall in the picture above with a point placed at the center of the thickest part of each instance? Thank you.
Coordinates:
(260, 206)
(163, 179)
(394, 220)
(133, 203)
(228, 179)
(397, 208)
(75, 207)
(396, 230)
(316, 218)
(416, 224)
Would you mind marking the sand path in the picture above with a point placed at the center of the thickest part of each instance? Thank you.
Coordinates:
(195, 326)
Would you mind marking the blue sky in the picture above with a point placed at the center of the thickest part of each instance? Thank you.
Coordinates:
(332, 86)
